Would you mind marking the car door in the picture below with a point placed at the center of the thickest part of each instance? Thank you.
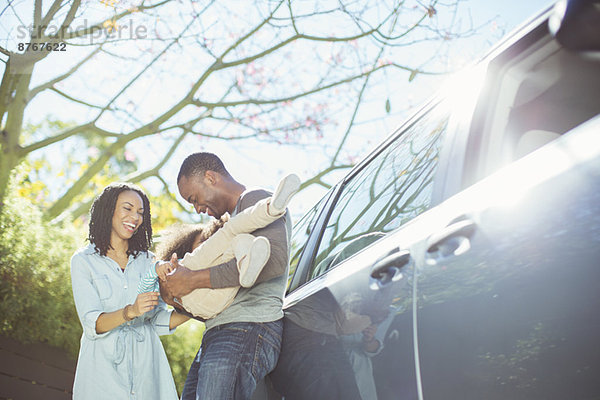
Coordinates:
(348, 317)
(506, 282)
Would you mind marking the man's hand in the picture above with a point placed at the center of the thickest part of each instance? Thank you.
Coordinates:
(162, 269)
(179, 282)
(166, 295)
(183, 280)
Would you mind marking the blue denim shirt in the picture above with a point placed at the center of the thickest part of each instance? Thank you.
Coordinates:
(127, 362)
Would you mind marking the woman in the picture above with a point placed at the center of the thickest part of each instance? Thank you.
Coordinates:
(121, 356)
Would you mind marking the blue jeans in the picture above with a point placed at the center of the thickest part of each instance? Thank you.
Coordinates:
(232, 359)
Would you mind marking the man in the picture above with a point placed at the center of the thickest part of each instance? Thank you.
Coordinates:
(241, 344)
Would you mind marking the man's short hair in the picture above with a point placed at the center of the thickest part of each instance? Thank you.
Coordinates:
(198, 163)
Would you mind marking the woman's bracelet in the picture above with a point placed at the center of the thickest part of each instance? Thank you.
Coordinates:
(125, 313)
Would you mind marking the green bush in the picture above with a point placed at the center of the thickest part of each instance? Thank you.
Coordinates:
(36, 302)
(181, 348)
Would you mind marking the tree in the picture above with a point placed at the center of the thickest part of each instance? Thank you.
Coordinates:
(277, 71)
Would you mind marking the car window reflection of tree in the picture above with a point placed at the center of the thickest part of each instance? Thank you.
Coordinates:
(409, 186)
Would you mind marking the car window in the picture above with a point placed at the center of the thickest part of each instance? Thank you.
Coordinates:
(389, 191)
(540, 94)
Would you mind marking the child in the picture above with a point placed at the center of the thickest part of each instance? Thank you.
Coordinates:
(231, 239)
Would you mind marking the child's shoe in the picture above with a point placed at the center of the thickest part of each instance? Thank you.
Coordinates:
(254, 261)
(284, 192)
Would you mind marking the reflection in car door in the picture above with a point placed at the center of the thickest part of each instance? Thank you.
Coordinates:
(507, 288)
(321, 351)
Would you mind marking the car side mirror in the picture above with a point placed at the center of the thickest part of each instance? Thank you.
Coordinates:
(576, 24)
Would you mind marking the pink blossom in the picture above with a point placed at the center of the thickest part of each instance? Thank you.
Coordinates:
(129, 156)
(240, 78)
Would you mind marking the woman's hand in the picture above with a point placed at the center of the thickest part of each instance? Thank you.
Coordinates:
(143, 303)
(371, 344)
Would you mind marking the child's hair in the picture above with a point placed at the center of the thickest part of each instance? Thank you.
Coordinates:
(101, 215)
(180, 238)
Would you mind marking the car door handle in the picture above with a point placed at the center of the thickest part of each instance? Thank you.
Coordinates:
(388, 269)
(453, 240)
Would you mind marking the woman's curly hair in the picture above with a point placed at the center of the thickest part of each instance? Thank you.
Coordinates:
(101, 215)
(180, 238)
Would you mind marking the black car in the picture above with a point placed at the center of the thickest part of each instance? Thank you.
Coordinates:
(461, 258)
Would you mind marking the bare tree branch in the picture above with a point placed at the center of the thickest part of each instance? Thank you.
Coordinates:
(135, 177)
(37, 12)
(70, 15)
(317, 179)
(74, 100)
(291, 40)
(200, 103)
(167, 191)
(64, 135)
(33, 92)
(159, 55)
(51, 13)
(138, 177)
(249, 34)
(91, 29)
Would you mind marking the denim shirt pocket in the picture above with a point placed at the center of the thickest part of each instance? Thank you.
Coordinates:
(103, 287)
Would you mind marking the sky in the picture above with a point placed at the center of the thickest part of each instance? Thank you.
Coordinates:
(262, 164)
